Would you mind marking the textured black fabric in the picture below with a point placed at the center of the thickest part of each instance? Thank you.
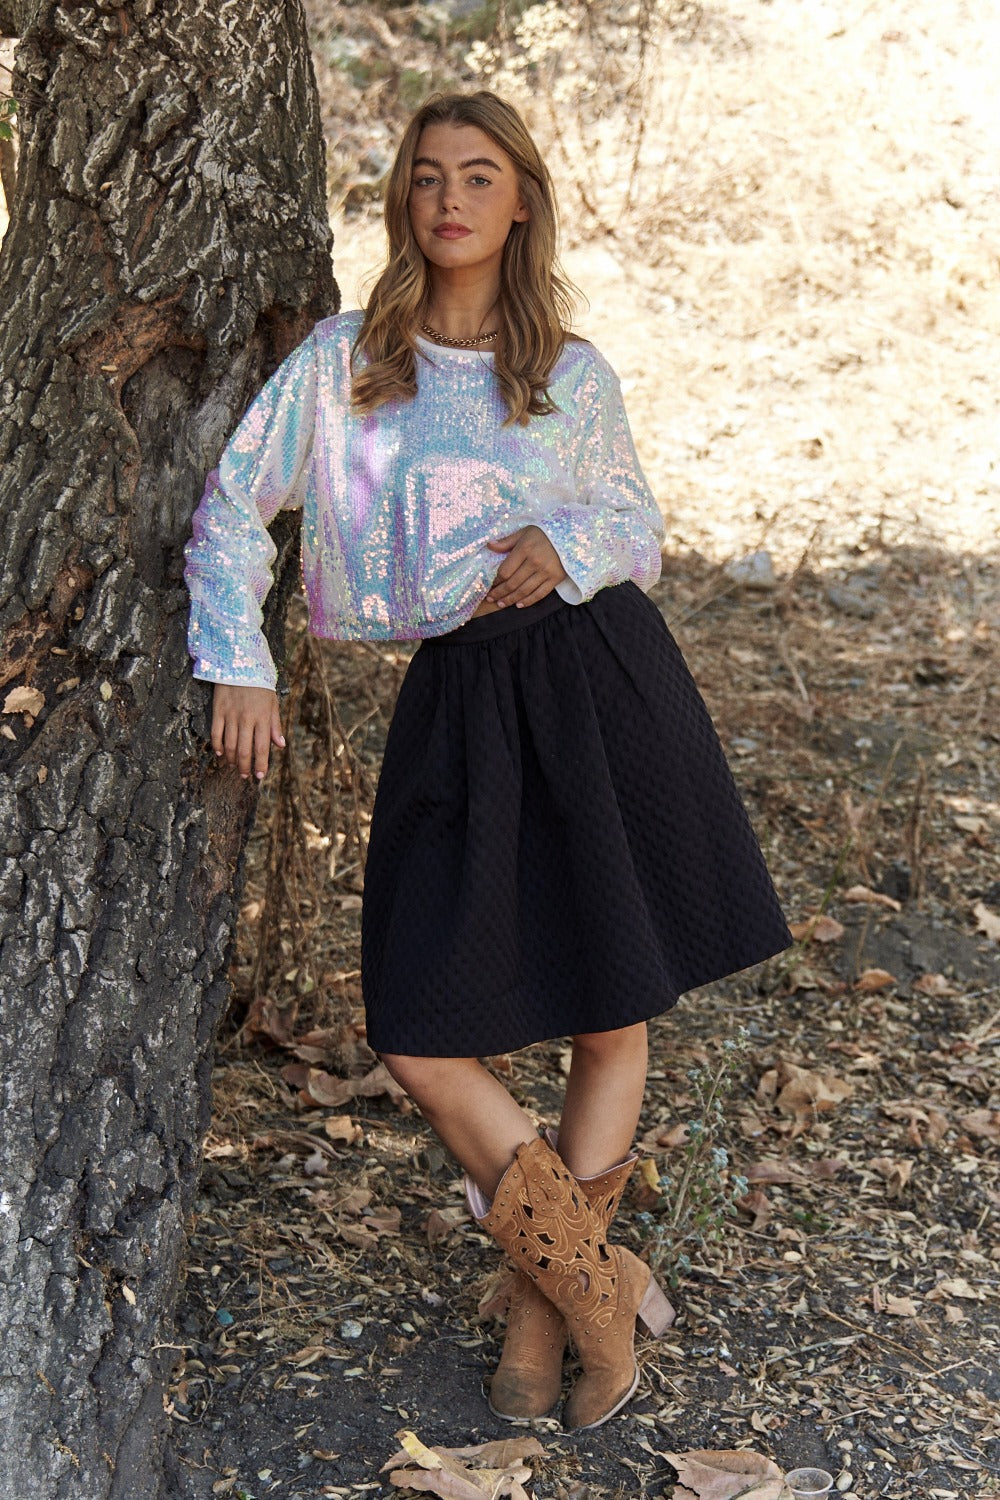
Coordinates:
(557, 844)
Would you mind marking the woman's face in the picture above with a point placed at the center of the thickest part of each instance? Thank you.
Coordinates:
(464, 197)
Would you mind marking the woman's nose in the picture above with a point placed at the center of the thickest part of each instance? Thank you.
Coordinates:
(449, 196)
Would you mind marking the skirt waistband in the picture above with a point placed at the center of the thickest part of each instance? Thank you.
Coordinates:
(498, 622)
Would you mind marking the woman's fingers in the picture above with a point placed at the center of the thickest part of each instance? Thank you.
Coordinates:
(505, 590)
(245, 723)
(531, 564)
(536, 596)
(244, 746)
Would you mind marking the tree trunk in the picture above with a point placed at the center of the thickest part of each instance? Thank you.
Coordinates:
(169, 245)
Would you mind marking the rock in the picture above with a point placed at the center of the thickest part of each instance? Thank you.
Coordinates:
(755, 571)
(852, 601)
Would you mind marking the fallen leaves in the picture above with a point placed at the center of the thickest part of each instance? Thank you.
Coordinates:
(955, 1286)
(316, 1086)
(817, 930)
(496, 1469)
(982, 1122)
(924, 1122)
(872, 980)
(726, 1474)
(442, 1222)
(802, 1093)
(872, 898)
(23, 700)
(987, 921)
(933, 984)
(896, 1174)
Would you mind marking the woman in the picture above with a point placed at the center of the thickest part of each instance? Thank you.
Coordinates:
(557, 847)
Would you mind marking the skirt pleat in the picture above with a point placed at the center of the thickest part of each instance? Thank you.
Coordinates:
(557, 845)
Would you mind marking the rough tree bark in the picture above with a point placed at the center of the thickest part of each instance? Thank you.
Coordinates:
(169, 245)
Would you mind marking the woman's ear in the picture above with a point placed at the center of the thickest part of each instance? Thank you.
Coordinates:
(521, 213)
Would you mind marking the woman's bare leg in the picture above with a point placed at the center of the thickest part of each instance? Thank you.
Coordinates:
(469, 1109)
(607, 1080)
(482, 1126)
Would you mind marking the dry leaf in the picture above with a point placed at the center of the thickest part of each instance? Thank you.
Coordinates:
(816, 930)
(825, 1168)
(982, 1122)
(987, 921)
(495, 1298)
(441, 1471)
(954, 1286)
(773, 1171)
(383, 1220)
(677, 1135)
(359, 1237)
(320, 1087)
(756, 1204)
(872, 898)
(265, 1019)
(900, 1307)
(896, 1173)
(874, 979)
(726, 1474)
(342, 1128)
(441, 1222)
(502, 1453)
(802, 1093)
(933, 984)
(23, 700)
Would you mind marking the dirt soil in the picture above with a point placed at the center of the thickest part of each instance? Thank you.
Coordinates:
(788, 238)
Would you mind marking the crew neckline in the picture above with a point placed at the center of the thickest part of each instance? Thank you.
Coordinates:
(429, 347)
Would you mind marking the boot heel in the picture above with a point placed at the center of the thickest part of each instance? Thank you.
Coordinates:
(656, 1311)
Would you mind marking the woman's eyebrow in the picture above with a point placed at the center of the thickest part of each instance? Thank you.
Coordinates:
(473, 161)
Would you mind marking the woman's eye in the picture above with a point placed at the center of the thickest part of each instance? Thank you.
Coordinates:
(424, 181)
(481, 181)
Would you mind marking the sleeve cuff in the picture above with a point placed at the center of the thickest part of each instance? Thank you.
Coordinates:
(571, 592)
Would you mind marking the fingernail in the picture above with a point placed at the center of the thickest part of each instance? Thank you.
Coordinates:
(281, 741)
(260, 775)
(218, 752)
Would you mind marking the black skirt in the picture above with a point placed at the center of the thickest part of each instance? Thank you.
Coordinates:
(557, 844)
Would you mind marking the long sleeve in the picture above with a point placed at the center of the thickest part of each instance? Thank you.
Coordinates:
(609, 528)
(229, 558)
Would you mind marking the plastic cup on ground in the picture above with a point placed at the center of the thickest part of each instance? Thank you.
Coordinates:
(809, 1484)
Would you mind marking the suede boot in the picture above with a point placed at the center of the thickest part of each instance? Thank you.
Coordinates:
(544, 1222)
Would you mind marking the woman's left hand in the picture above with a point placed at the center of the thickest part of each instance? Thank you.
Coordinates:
(530, 570)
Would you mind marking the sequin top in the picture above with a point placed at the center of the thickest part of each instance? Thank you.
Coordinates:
(397, 506)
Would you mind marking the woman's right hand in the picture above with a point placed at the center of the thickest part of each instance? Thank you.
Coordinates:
(246, 722)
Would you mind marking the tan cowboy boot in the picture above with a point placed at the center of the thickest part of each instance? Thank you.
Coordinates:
(543, 1221)
(528, 1380)
(604, 1193)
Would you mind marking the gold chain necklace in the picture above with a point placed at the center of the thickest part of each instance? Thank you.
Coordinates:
(475, 343)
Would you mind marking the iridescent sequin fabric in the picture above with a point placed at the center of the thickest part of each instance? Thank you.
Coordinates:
(398, 506)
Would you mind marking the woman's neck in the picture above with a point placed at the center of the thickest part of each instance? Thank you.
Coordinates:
(462, 311)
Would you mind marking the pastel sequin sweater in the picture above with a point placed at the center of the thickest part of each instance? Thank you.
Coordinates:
(397, 506)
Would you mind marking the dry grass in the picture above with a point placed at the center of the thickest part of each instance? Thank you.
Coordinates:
(790, 254)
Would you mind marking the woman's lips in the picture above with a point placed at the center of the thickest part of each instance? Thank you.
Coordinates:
(451, 231)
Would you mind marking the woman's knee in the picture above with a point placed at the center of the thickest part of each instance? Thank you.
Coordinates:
(610, 1046)
(426, 1078)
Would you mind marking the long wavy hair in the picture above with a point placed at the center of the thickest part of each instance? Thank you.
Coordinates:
(536, 301)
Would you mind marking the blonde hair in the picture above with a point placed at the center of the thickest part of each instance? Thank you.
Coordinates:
(535, 303)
